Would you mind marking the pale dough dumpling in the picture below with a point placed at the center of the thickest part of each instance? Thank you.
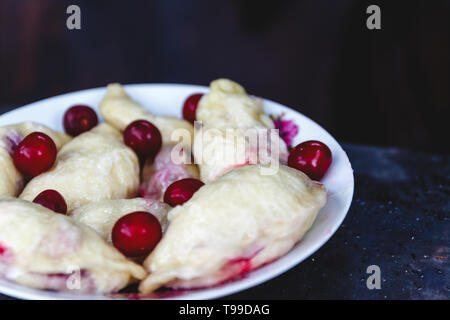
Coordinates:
(11, 180)
(227, 105)
(120, 110)
(95, 165)
(102, 215)
(161, 172)
(235, 224)
(45, 250)
(228, 138)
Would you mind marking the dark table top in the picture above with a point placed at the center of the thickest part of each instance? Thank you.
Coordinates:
(399, 221)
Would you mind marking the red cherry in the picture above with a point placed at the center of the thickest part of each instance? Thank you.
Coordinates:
(52, 200)
(35, 154)
(79, 119)
(143, 137)
(190, 106)
(136, 234)
(181, 191)
(311, 157)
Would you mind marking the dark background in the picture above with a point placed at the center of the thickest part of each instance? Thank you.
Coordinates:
(385, 87)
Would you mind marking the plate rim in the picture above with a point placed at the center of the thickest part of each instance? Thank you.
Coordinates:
(18, 291)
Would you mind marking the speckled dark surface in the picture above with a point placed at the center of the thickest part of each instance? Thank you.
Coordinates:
(399, 220)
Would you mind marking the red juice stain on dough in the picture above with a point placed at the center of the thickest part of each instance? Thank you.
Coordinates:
(5, 253)
(242, 267)
(245, 265)
(235, 166)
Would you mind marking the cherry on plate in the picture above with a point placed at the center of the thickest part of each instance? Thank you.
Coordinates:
(190, 107)
(181, 191)
(79, 119)
(312, 158)
(136, 234)
(143, 137)
(35, 154)
(53, 200)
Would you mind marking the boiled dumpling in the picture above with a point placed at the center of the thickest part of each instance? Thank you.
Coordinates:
(11, 180)
(45, 250)
(102, 215)
(120, 110)
(95, 165)
(162, 171)
(235, 132)
(235, 224)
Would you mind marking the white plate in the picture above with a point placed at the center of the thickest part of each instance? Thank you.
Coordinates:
(167, 99)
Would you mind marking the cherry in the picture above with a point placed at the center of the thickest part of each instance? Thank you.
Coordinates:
(181, 191)
(143, 137)
(52, 200)
(190, 106)
(136, 234)
(79, 119)
(35, 154)
(312, 157)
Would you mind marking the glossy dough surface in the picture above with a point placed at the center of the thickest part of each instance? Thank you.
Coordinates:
(102, 215)
(237, 223)
(161, 172)
(227, 112)
(11, 180)
(39, 248)
(240, 220)
(120, 110)
(95, 165)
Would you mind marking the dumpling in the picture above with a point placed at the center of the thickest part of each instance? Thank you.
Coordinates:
(102, 215)
(11, 180)
(95, 165)
(44, 250)
(118, 109)
(227, 105)
(235, 224)
(161, 172)
(232, 121)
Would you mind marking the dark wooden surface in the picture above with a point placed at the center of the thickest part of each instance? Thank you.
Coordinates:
(399, 220)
